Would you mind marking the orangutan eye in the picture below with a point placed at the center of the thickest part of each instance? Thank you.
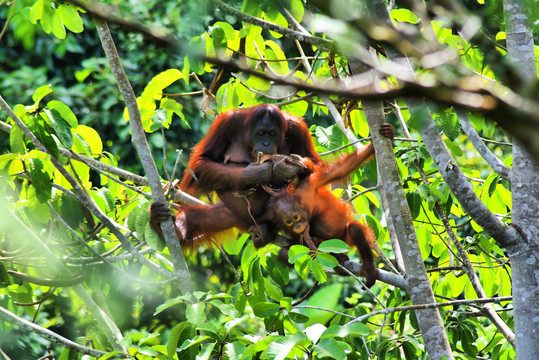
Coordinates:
(296, 217)
(289, 223)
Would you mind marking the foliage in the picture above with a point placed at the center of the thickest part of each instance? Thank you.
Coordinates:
(54, 249)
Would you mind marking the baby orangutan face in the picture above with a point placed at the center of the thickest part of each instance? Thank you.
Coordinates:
(291, 215)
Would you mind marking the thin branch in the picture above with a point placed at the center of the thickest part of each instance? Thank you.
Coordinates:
(105, 12)
(181, 272)
(308, 38)
(503, 170)
(433, 306)
(85, 200)
(41, 331)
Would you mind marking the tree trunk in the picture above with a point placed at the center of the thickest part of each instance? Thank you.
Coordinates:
(525, 191)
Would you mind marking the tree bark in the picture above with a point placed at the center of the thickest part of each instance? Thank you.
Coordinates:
(525, 192)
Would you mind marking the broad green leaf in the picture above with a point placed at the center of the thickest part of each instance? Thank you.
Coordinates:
(327, 260)
(328, 297)
(41, 180)
(297, 10)
(91, 137)
(334, 246)
(454, 148)
(196, 313)
(40, 93)
(330, 137)
(331, 348)
(219, 38)
(303, 266)
(205, 353)
(60, 127)
(404, 15)
(71, 211)
(281, 347)
(16, 141)
(410, 351)
(152, 238)
(173, 107)
(235, 247)
(234, 350)
(414, 202)
(265, 309)
(227, 309)
(154, 89)
(47, 17)
(278, 271)
(142, 219)
(318, 271)
(297, 251)
(64, 111)
(58, 28)
(298, 318)
(273, 292)
(71, 18)
(37, 126)
(36, 11)
(171, 302)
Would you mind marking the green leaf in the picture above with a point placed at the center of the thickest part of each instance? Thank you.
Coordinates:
(318, 272)
(454, 148)
(414, 202)
(277, 270)
(424, 191)
(219, 38)
(16, 140)
(331, 348)
(132, 218)
(58, 28)
(410, 351)
(171, 302)
(298, 318)
(60, 127)
(71, 18)
(41, 180)
(303, 266)
(205, 353)
(152, 238)
(173, 107)
(281, 347)
(40, 93)
(327, 260)
(140, 223)
(196, 313)
(234, 350)
(274, 292)
(71, 211)
(404, 15)
(64, 111)
(227, 309)
(330, 137)
(36, 11)
(297, 10)
(334, 246)
(296, 252)
(265, 309)
(91, 138)
(37, 125)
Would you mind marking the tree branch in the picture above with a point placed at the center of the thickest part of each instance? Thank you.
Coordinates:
(41, 331)
(503, 170)
(181, 272)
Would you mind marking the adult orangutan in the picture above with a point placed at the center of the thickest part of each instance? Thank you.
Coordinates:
(225, 161)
